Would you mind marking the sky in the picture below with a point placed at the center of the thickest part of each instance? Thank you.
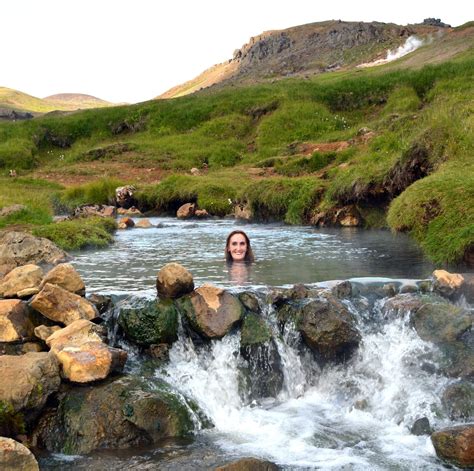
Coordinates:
(133, 50)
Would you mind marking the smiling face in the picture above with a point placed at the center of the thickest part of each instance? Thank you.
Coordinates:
(237, 247)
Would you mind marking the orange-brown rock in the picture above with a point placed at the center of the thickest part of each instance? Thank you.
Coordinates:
(19, 279)
(128, 222)
(16, 457)
(173, 281)
(60, 305)
(144, 224)
(249, 464)
(447, 283)
(67, 277)
(14, 321)
(28, 380)
(44, 331)
(201, 213)
(82, 354)
(242, 212)
(212, 311)
(455, 445)
(186, 211)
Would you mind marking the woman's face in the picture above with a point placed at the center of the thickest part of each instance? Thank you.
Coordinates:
(237, 247)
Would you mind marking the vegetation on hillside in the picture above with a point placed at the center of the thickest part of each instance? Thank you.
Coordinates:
(406, 148)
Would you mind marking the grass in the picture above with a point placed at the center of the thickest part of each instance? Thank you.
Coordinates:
(421, 147)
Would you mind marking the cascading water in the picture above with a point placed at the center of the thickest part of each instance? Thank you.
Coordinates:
(352, 416)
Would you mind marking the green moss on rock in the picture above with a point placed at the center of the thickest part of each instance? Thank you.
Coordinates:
(254, 331)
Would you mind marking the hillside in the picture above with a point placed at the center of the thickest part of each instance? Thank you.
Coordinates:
(318, 48)
(388, 146)
(15, 100)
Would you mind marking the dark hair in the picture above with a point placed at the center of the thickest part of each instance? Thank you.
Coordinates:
(249, 257)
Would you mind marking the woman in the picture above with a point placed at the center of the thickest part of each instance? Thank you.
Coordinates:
(237, 248)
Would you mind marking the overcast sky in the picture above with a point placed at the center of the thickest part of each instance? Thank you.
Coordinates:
(133, 50)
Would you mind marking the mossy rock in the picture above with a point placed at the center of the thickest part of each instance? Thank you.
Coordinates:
(152, 323)
(458, 400)
(254, 331)
(122, 413)
(12, 422)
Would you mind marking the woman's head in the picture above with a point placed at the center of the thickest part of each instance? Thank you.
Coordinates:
(237, 247)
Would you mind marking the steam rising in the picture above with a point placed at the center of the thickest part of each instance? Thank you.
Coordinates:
(411, 44)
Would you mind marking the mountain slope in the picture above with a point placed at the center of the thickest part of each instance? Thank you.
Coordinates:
(324, 47)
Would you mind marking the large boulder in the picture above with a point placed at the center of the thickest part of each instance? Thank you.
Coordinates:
(27, 381)
(60, 305)
(458, 400)
(173, 281)
(249, 464)
(211, 311)
(126, 412)
(82, 354)
(455, 445)
(154, 322)
(20, 280)
(20, 248)
(447, 283)
(15, 323)
(261, 375)
(186, 211)
(67, 277)
(16, 457)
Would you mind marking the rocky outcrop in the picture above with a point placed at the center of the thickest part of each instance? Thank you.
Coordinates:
(173, 281)
(27, 381)
(94, 210)
(65, 276)
(211, 311)
(82, 354)
(455, 445)
(153, 323)
(124, 196)
(186, 211)
(60, 305)
(20, 248)
(16, 457)
(15, 323)
(123, 413)
(249, 464)
(21, 281)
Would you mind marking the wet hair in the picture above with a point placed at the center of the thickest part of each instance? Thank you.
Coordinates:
(249, 257)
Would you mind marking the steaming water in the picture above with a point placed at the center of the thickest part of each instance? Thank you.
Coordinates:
(285, 255)
(355, 416)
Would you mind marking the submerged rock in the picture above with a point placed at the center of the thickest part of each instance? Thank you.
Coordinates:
(455, 445)
(123, 413)
(16, 457)
(249, 464)
(211, 311)
(173, 281)
(155, 322)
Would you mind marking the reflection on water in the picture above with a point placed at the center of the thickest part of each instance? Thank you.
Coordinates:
(284, 255)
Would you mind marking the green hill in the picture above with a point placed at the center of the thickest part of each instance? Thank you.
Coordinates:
(389, 146)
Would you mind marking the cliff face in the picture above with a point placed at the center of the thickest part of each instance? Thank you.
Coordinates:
(308, 49)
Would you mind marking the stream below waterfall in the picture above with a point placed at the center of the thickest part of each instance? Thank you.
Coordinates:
(351, 416)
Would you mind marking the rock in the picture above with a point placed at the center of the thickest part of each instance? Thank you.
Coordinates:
(243, 212)
(447, 283)
(201, 214)
(20, 348)
(82, 354)
(122, 226)
(186, 211)
(195, 171)
(262, 376)
(95, 210)
(15, 323)
(348, 216)
(100, 301)
(124, 196)
(6, 268)
(65, 276)
(173, 281)
(60, 305)
(421, 427)
(153, 323)
(402, 304)
(458, 400)
(211, 311)
(16, 457)
(144, 224)
(44, 331)
(27, 381)
(20, 248)
(342, 290)
(20, 279)
(27, 293)
(160, 351)
(468, 287)
(13, 209)
(128, 222)
(250, 301)
(129, 212)
(455, 445)
(249, 464)
(125, 412)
